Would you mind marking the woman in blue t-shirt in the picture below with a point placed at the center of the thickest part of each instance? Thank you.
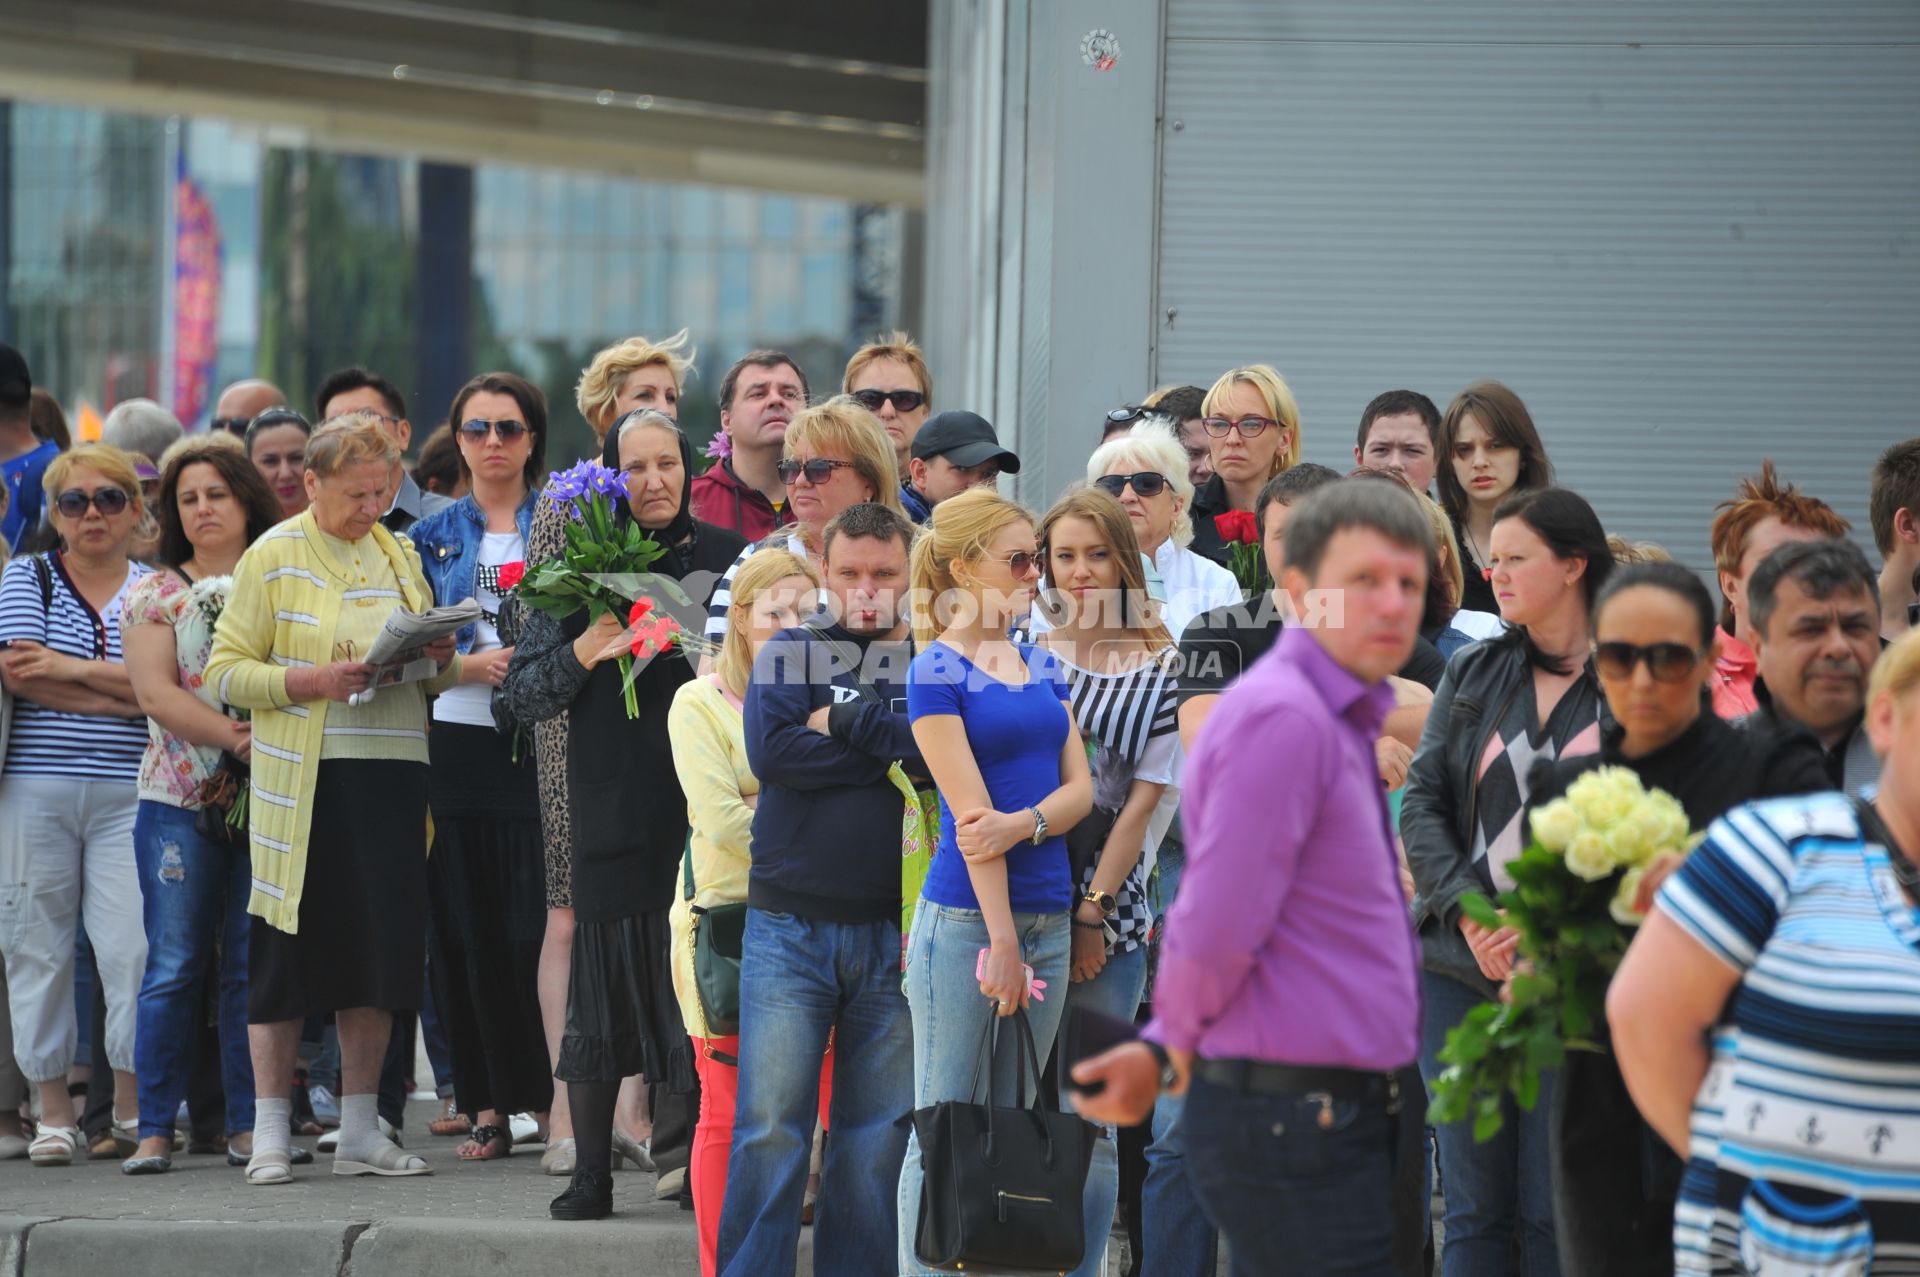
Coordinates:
(991, 720)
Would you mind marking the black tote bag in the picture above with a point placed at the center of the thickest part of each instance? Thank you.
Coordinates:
(1003, 1185)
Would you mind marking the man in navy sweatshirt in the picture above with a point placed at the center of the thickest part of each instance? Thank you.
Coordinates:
(826, 717)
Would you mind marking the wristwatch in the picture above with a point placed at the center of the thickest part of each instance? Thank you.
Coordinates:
(1039, 825)
(1168, 1075)
(1108, 905)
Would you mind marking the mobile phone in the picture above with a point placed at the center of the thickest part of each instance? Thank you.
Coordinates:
(1089, 1033)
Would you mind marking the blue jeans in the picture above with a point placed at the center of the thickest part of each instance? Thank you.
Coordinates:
(193, 896)
(950, 1019)
(1292, 1195)
(1498, 1189)
(1114, 992)
(1176, 1237)
(800, 980)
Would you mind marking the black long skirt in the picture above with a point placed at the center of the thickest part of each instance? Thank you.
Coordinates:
(621, 1015)
(363, 903)
(486, 883)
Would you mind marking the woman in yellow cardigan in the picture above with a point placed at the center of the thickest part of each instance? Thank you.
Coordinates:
(338, 814)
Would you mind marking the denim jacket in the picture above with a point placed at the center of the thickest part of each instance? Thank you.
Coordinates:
(449, 544)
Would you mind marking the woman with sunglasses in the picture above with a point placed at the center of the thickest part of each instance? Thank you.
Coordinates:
(1145, 470)
(627, 815)
(992, 720)
(68, 794)
(277, 443)
(213, 504)
(1504, 702)
(1490, 450)
(486, 876)
(337, 819)
(1614, 1181)
(1253, 433)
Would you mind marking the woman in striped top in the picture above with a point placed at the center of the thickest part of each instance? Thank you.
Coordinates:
(1120, 665)
(68, 796)
(338, 816)
(1767, 1021)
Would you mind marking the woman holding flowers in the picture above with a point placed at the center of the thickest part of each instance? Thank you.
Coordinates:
(212, 504)
(1655, 641)
(485, 877)
(1503, 703)
(337, 818)
(627, 812)
(1767, 1022)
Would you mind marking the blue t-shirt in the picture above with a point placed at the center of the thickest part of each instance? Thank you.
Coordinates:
(22, 475)
(1016, 734)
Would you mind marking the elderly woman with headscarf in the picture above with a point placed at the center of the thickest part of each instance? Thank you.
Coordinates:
(338, 813)
(625, 805)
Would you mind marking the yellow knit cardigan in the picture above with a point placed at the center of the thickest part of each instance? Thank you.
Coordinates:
(285, 606)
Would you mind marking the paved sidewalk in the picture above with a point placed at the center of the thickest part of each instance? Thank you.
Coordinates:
(466, 1219)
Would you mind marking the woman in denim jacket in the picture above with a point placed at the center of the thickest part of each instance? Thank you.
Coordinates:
(486, 876)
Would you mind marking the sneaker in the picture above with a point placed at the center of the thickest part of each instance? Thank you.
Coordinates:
(325, 1104)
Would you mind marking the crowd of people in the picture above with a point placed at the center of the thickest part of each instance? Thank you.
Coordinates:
(1183, 780)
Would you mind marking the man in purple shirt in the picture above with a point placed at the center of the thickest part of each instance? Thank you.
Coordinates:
(1288, 991)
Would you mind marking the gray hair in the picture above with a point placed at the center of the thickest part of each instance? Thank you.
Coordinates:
(644, 417)
(1387, 508)
(1151, 444)
(141, 427)
(1822, 568)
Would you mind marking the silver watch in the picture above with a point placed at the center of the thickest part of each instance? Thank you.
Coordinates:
(1039, 825)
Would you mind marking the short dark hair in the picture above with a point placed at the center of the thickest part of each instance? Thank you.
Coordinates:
(1822, 568)
(1182, 403)
(249, 487)
(1681, 582)
(533, 405)
(439, 461)
(1896, 487)
(268, 419)
(759, 359)
(1392, 404)
(342, 380)
(1289, 486)
(869, 519)
(1391, 511)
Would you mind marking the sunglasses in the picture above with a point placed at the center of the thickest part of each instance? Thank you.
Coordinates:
(818, 471)
(1121, 416)
(1022, 563)
(1147, 483)
(476, 430)
(903, 400)
(232, 425)
(1220, 427)
(1667, 662)
(73, 503)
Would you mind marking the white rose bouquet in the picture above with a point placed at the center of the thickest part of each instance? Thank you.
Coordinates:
(1572, 902)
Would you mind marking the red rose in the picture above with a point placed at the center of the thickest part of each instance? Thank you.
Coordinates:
(1237, 526)
(510, 575)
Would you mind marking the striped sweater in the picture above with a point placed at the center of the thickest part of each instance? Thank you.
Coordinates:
(286, 612)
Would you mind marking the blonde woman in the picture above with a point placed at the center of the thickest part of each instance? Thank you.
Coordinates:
(338, 815)
(628, 375)
(1145, 470)
(1253, 433)
(775, 591)
(994, 728)
(68, 797)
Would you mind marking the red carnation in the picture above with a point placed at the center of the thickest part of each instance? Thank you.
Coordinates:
(1237, 527)
(510, 575)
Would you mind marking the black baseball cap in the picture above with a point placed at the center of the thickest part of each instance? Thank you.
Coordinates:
(964, 438)
(16, 383)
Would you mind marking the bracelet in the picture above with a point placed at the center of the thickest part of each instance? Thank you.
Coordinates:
(1089, 926)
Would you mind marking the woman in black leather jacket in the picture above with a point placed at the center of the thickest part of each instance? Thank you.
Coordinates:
(1504, 703)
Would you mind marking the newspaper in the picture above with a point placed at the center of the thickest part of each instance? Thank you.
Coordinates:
(398, 655)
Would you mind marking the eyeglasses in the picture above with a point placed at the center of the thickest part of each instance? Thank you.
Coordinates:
(1667, 662)
(1021, 562)
(476, 430)
(232, 425)
(903, 400)
(1220, 427)
(818, 471)
(1147, 483)
(73, 503)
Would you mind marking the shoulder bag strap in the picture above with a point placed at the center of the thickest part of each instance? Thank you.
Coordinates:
(849, 657)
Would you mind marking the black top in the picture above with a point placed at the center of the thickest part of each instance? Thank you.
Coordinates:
(1222, 643)
(1477, 594)
(1210, 499)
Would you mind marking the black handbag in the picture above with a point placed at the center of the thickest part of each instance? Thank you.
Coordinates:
(719, 934)
(1003, 1185)
(1085, 841)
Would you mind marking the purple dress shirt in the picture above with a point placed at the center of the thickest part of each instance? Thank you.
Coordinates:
(1290, 941)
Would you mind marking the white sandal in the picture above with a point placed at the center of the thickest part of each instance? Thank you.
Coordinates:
(54, 1146)
(270, 1166)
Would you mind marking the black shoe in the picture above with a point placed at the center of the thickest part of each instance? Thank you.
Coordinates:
(590, 1196)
